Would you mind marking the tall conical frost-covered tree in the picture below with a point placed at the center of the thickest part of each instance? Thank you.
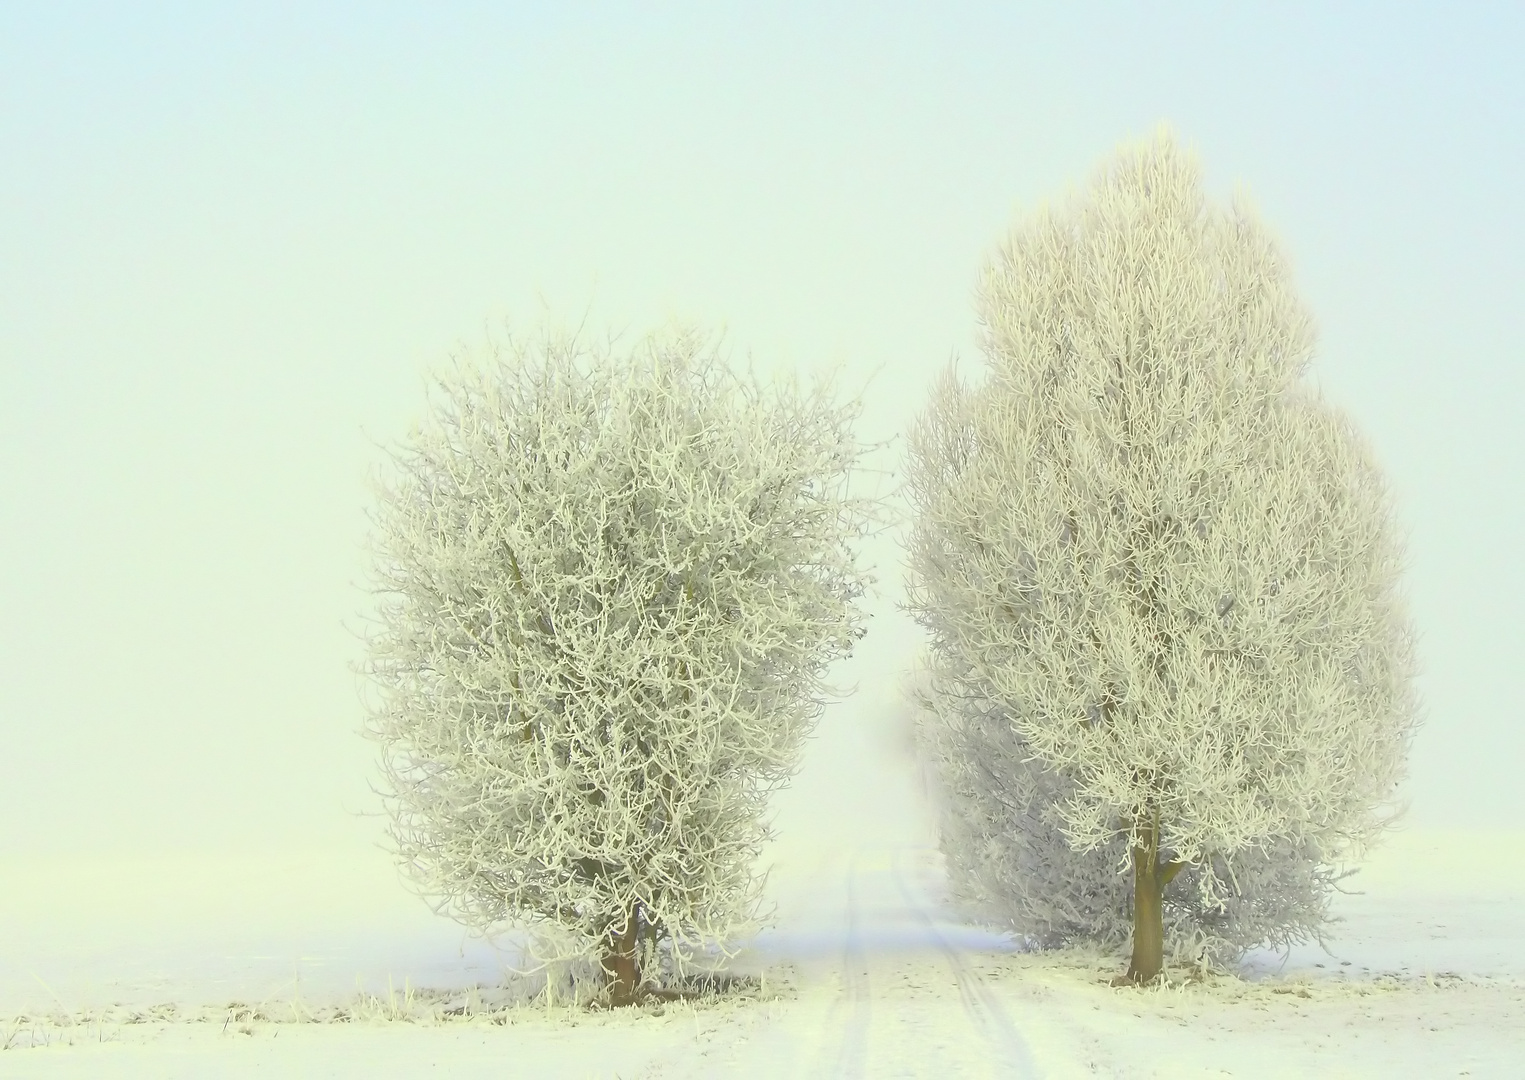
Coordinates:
(610, 586)
(1161, 576)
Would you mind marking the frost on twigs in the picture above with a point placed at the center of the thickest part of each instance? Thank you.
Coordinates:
(1161, 580)
(610, 585)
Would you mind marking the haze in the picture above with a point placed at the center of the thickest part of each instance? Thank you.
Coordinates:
(234, 240)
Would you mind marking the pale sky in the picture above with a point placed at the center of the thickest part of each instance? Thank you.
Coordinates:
(234, 239)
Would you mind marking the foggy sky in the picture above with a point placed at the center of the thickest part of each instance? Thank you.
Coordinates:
(234, 239)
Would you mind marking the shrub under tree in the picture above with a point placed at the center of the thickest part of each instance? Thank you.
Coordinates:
(611, 584)
(1011, 864)
(1170, 678)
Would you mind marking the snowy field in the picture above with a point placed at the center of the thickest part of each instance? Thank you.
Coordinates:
(335, 971)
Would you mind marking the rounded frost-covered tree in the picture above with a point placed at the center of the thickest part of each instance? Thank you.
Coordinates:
(610, 585)
(1170, 675)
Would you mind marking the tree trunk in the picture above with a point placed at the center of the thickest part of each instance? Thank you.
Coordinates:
(1148, 910)
(622, 972)
(1150, 876)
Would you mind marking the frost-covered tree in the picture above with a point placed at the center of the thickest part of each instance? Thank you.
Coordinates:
(611, 584)
(1161, 578)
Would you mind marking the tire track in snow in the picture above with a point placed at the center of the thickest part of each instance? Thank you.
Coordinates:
(853, 1048)
(981, 1005)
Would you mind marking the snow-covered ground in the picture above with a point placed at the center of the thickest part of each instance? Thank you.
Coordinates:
(130, 968)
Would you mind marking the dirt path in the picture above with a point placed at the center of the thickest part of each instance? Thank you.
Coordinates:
(854, 1009)
(880, 989)
(982, 1006)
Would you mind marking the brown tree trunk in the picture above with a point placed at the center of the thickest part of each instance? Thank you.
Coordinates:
(1148, 911)
(1150, 877)
(621, 964)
